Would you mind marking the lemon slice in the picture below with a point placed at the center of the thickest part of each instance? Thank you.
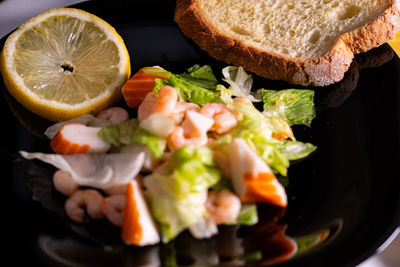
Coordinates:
(64, 63)
(395, 43)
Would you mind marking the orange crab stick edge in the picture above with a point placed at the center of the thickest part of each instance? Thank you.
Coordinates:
(143, 82)
(138, 227)
(252, 178)
(76, 138)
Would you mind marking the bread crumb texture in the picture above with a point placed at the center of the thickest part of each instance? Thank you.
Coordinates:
(298, 29)
(303, 42)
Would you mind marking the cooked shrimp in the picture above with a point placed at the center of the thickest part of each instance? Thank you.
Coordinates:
(223, 206)
(224, 120)
(180, 111)
(179, 138)
(116, 190)
(193, 131)
(113, 208)
(115, 115)
(64, 183)
(162, 102)
(89, 198)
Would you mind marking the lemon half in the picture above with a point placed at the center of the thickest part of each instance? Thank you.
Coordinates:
(64, 63)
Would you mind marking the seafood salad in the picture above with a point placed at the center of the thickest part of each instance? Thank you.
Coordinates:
(196, 154)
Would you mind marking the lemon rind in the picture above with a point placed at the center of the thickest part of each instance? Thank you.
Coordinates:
(41, 106)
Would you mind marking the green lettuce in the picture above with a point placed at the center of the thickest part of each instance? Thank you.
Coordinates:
(202, 76)
(257, 130)
(129, 132)
(177, 198)
(247, 216)
(195, 165)
(294, 105)
(197, 85)
(295, 150)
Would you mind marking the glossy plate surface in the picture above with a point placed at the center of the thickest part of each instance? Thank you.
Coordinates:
(344, 200)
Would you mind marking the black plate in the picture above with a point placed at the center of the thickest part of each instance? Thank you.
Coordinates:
(344, 200)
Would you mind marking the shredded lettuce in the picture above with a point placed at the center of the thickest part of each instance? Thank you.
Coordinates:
(257, 130)
(172, 204)
(240, 82)
(294, 105)
(295, 150)
(248, 215)
(202, 76)
(177, 198)
(196, 165)
(197, 85)
(129, 132)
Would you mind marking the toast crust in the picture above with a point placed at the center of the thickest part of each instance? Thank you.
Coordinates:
(321, 71)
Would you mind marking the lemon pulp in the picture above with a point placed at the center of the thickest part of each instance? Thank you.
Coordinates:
(64, 63)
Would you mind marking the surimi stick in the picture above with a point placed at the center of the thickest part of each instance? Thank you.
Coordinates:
(252, 178)
(138, 227)
(143, 82)
(77, 138)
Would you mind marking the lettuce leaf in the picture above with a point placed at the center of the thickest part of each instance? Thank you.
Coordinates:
(240, 82)
(294, 105)
(202, 76)
(256, 129)
(197, 85)
(177, 198)
(248, 215)
(172, 204)
(295, 150)
(196, 166)
(129, 132)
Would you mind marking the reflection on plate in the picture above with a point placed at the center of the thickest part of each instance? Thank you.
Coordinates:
(343, 201)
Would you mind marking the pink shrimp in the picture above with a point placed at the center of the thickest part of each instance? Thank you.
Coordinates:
(116, 190)
(193, 131)
(224, 120)
(179, 138)
(113, 208)
(89, 198)
(115, 115)
(162, 102)
(180, 111)
(64, 183)
(223, 206)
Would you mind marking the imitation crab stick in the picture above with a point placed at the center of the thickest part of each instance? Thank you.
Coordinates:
(143, 82)
(138, 227)
(252, 178)
(76, 138)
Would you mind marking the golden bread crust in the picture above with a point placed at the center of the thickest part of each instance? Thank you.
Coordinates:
(321, 71)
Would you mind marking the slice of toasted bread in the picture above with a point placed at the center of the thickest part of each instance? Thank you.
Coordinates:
(303, 42)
